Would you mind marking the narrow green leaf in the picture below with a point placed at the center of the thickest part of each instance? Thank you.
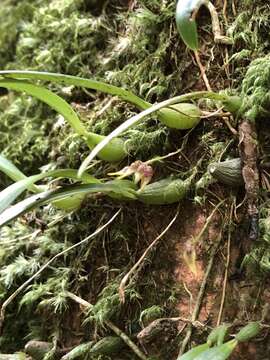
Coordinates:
(59, 194)
(13, 172)
(8, 195)
(114, 151)
(10, 169)
(78, 81)
(48, 97)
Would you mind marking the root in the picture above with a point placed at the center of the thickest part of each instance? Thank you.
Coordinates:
(141, 259)
(226, 269)
(202, 70)
(218, 37)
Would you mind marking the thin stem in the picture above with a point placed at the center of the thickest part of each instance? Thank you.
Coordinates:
(200, 295)
(224, 10)
(160, 158)
(218, 37)
(198, 237)
(77, 81)
(226, 271)
(146, 252)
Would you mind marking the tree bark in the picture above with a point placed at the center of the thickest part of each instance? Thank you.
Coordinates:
(249, 155)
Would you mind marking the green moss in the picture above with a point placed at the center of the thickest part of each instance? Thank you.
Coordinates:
(12, 17)
(255, 90)
(24, 133)
(250, 31)
(259, 258)
(140, 50)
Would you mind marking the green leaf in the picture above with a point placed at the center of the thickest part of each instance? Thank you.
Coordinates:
(13, 172)
(8, 195)
(59, 194)
(10, 169)
(77, 81)
(48, 97)
(193, 353)
(186, 26)
(114, 151)
(221, 352)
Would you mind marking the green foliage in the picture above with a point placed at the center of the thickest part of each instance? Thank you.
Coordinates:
(136, 49)
(194, 352)
(13, 15)
(51, 294)
(23, 130)
(248, 332)
(68, 197)
(146, 140)
(217, 335)
(259, 257)
(221, 352)
(186, 24)
(109, 306)
(85, 36)
(249, 31)
(56, 37)
(78, 351)
(19, 267)
(255, 90)
(10, 193)
(150, 314)
(216, 348)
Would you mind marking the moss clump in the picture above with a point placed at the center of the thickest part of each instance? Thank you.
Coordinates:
(59, 38)
(24, 128)
(255, 90)
(249, 30)
(259, 257)
(12, 17)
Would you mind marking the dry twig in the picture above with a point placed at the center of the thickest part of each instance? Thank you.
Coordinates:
(226, 270)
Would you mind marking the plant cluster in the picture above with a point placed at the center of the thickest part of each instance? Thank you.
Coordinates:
(108, 49)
